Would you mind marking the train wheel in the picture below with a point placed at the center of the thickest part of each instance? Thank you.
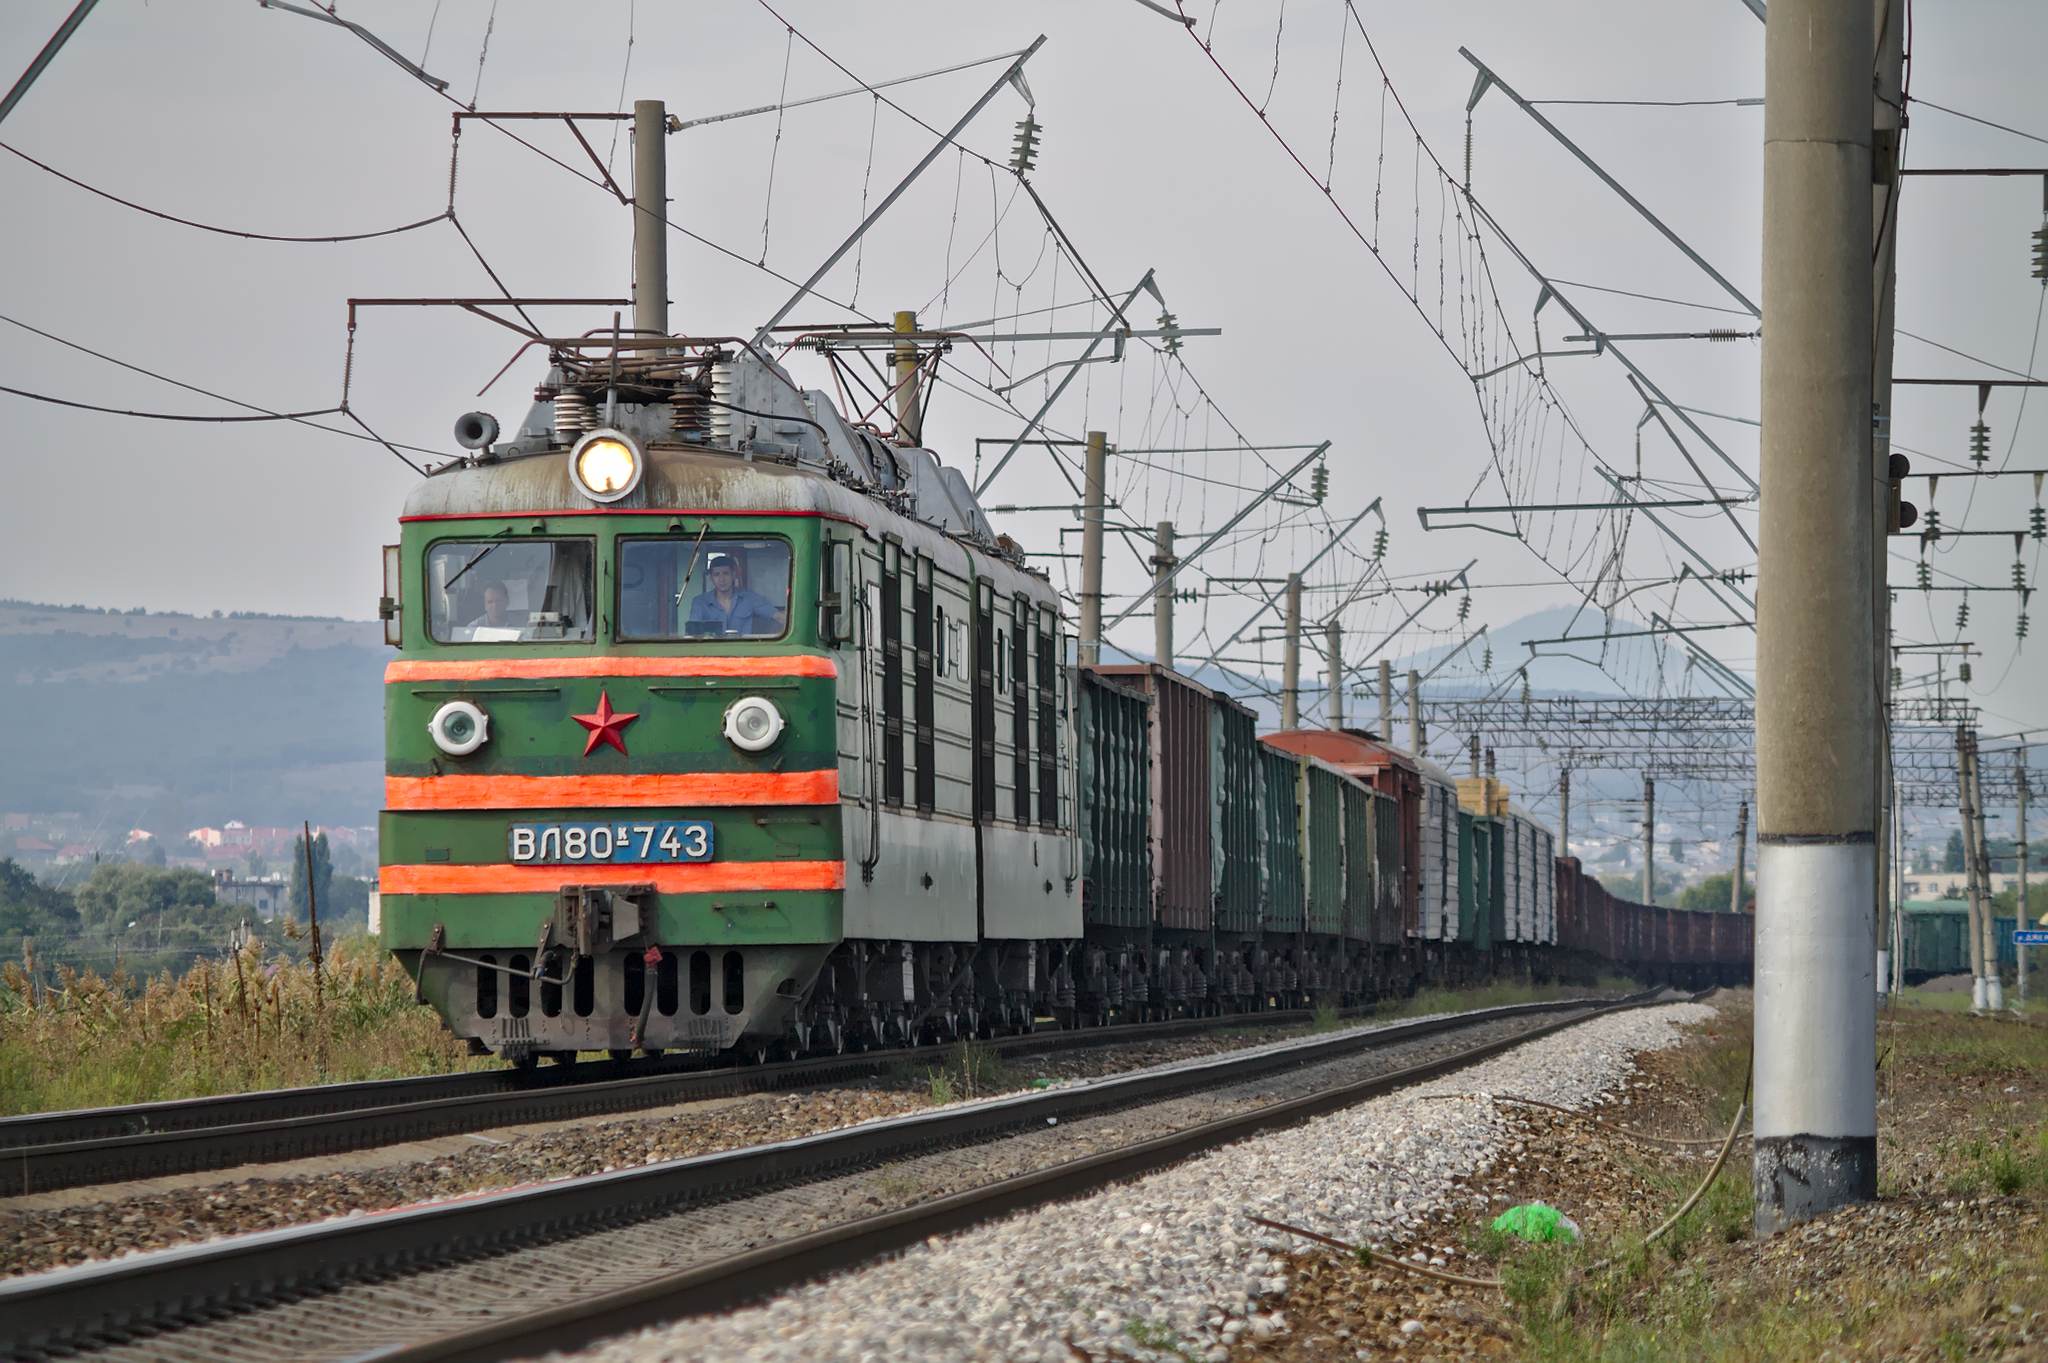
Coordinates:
(563, 1057)
(618, 1054)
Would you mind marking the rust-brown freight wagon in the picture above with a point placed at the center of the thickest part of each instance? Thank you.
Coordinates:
(1183, 806)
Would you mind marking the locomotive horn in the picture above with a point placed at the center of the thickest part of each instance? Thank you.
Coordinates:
(476, 430)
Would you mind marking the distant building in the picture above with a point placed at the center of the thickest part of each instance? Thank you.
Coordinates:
(269, 896)
(33, 851)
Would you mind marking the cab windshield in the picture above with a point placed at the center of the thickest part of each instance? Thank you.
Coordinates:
(505, 591)
(703, 588)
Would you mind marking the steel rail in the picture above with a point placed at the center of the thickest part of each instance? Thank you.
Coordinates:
(68, 1309)
(42, 1152)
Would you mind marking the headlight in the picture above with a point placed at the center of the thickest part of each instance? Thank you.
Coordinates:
(606, 465)
(753, 723)
(459, 728)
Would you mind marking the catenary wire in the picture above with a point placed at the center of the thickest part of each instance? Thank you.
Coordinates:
(208, 227)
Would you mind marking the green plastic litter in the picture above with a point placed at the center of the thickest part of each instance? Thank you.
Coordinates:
(1536, 1221)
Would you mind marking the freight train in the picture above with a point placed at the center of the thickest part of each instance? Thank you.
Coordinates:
(721, 722)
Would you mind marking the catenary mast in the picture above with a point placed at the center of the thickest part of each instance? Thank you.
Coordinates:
(1816, 711)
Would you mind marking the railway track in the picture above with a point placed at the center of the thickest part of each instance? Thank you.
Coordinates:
(42, 1152)
(458, 1279)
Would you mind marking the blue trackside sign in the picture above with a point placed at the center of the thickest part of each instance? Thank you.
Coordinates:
(2030, 939)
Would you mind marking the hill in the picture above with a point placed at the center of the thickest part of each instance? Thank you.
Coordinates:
(167, 722)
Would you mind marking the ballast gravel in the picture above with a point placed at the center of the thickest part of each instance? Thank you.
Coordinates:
(1170, 1266)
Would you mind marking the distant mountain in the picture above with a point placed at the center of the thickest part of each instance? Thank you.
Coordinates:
(170, 722)
(1595, 666)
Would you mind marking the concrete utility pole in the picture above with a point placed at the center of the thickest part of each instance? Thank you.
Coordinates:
(1386, 702)
(1994, 984)
(1415, 714)
(1333, 649)
(1649, 841)
(1978, 994)
(1741, 848)
(1290, 658)
(1162, 595)
(1092, 512)
(2020, 922)
(1898, 975)
(650, 217)
(1564, 812)
(1815, 1145)
(1887, 103)
(909, 410)
(1475, 756)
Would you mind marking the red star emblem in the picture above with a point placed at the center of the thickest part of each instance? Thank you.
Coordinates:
(604, 726)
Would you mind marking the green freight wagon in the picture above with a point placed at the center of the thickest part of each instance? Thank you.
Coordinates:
(1116, 802)
(1280, 813)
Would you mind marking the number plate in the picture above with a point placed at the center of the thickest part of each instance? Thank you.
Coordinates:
(623, 843)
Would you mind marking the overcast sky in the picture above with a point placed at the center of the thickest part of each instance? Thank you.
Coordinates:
(229, 114)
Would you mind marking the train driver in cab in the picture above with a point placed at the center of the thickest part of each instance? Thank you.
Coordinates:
(728, 608)
(498, 619)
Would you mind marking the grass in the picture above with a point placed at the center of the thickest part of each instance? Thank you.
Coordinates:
(1985, 1049)
(1620, 1300)
(2013, 1161)
(1635, 1309)
(240, 1022)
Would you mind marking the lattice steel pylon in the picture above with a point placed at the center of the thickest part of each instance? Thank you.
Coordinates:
(1708, 738)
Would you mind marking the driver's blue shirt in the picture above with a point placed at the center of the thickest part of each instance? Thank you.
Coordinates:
(747, 607)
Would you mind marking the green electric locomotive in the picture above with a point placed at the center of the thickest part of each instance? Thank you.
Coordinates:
(719, 721)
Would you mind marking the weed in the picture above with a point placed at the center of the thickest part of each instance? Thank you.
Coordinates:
(899, 1186)
(244, 1021)
(972, 1071)
(1157, 1337)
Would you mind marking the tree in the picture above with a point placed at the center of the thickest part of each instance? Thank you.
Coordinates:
(29, 908)
(258, 867)
(1952, 860)
(155, 855)
(1712, 893)
(147, 907)
(323, 872)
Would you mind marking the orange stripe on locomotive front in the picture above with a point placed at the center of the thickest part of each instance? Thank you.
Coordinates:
(704, 877)
(612, 790)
